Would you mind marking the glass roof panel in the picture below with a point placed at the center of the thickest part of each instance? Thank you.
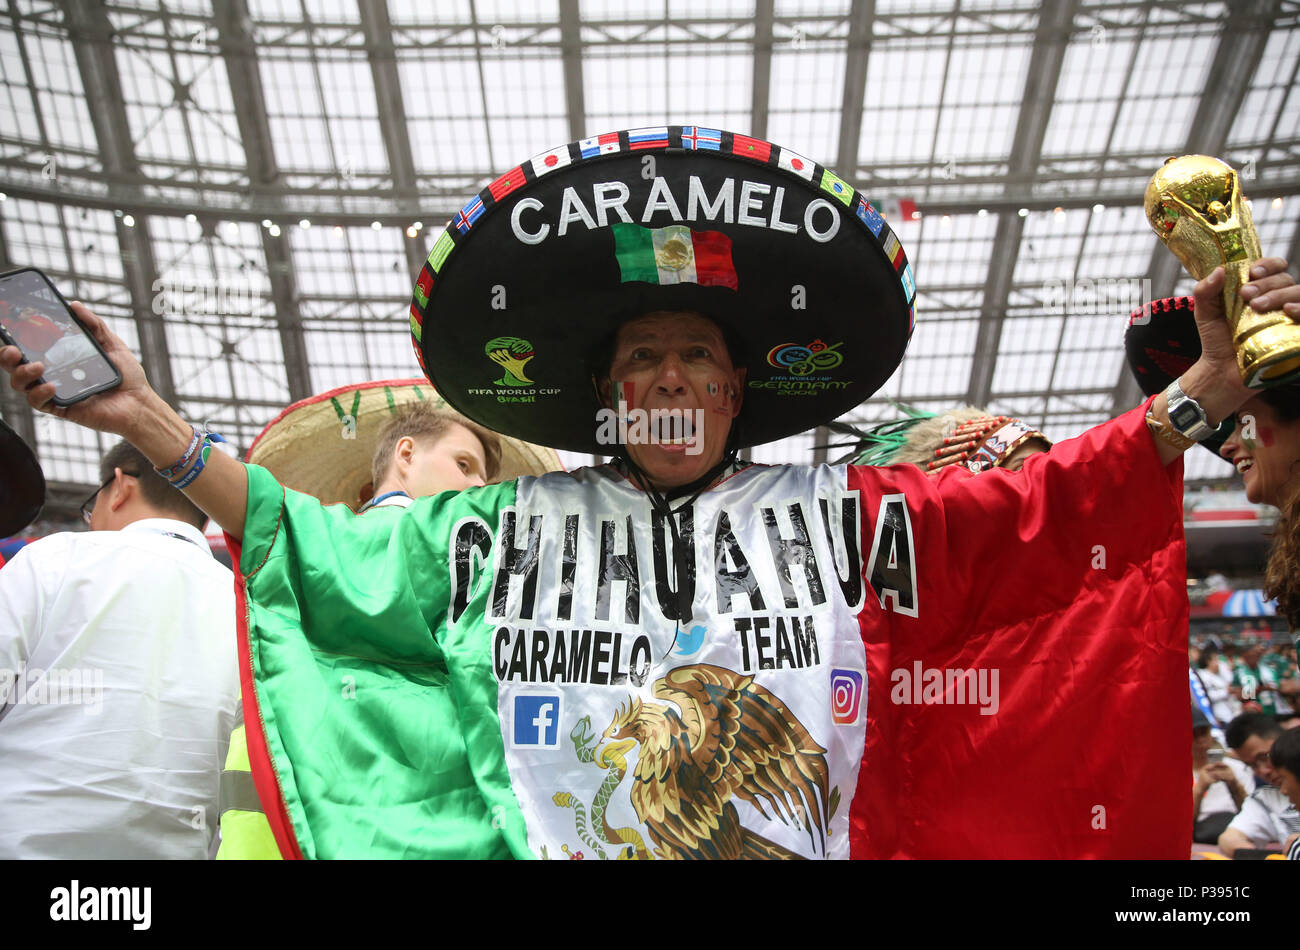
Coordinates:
(483, 87)
(444, 106)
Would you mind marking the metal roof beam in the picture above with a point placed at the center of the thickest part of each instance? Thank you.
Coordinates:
(571, 54)
(392, 117)
(239, 52)
(91, 34)
(862, 14)
(1241, 48)
(761, 86)
(1050, 42)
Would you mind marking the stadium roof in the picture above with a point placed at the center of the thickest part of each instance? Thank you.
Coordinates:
(246, 189)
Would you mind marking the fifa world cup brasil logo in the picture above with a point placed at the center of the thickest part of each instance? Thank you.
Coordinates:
(1196, 207)
(511, 353)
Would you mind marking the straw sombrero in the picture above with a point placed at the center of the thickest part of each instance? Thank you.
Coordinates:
(537, 271)
(22, 483)
(323, 445)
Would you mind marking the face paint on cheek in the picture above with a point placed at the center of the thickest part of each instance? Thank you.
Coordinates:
(726, 391)
(1266, 437)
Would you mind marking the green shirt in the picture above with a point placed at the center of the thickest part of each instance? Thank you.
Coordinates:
(375, 690)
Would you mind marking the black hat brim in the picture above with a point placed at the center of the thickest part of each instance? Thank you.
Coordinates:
(22, 483)
(1160, 344)
(824, 314)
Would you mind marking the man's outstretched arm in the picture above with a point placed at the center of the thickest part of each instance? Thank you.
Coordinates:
(138, 414)
(1214, 381)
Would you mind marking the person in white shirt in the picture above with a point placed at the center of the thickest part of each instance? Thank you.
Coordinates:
(118, 678)
(1219, 785)
(1218, 682)
(1284, 756)
(1268, 816)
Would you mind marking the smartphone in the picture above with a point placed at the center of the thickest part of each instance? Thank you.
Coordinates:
(35, 318)
(1216, 756)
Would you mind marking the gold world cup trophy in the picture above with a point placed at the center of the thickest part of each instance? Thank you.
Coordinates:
(1195, 205)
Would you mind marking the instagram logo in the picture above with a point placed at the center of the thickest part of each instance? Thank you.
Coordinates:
(846, 696)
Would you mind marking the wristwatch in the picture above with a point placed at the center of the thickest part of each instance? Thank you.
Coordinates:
(1186, 414)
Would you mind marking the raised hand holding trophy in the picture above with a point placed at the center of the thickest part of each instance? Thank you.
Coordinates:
(1195, 205)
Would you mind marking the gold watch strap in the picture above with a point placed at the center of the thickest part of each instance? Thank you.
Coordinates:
(1168, 434)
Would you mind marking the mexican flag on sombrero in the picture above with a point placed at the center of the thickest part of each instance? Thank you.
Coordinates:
(323, 445)
(537, 271)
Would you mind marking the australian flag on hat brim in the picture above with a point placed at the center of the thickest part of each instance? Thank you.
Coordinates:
(869, 216)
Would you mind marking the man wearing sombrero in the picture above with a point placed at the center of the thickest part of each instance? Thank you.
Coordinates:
(681, 655)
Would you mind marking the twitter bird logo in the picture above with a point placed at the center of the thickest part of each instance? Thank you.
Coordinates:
(690, 643)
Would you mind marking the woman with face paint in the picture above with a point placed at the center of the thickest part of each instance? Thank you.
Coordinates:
(1265, 448)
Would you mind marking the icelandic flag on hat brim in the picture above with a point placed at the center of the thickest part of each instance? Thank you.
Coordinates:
(606, 144)
(648, 138)
(674, 255)
(697, 137)
(550, 161)
(468, 215)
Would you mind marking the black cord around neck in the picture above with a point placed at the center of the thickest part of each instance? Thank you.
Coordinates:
(659, 502)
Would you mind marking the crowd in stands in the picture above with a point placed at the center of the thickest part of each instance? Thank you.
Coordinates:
(1245, 746)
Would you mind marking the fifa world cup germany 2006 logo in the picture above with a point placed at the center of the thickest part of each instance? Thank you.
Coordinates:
(510, 353)
(803, 360)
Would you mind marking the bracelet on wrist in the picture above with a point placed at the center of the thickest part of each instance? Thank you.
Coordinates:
(171, 471)
(200, 461)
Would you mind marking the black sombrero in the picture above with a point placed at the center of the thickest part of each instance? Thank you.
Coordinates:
(535, 273)
(22, 483)
(1161, 343)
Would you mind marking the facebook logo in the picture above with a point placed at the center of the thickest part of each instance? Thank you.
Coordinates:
(537, 721)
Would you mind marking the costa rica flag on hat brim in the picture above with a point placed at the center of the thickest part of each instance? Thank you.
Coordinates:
(525, 298)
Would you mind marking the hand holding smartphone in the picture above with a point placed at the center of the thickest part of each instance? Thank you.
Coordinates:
(35, 318)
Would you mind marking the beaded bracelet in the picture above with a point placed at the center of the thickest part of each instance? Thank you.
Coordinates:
(208, 439)
(171, 471)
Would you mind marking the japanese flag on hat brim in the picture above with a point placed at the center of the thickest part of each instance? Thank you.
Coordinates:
(511, 308)
(323, 445)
